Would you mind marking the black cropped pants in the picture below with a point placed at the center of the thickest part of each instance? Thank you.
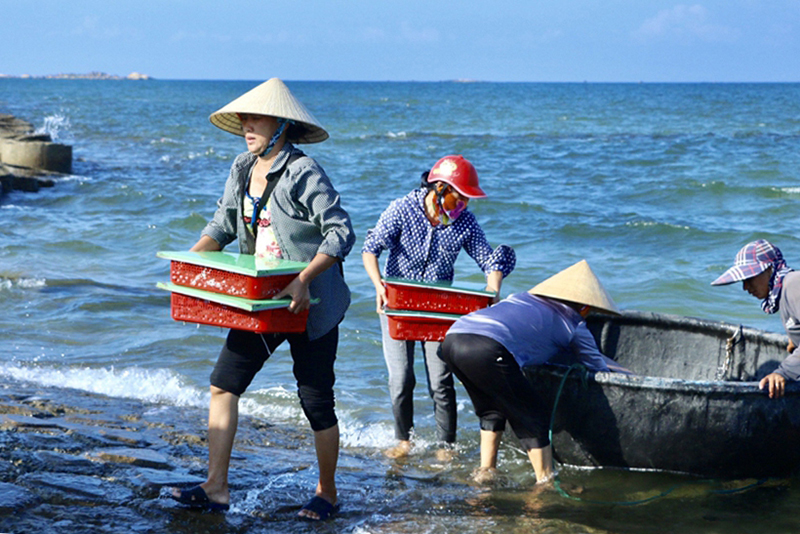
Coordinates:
(497, 387)
(244, 354)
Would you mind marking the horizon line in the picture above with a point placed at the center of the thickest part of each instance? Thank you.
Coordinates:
(466, 81)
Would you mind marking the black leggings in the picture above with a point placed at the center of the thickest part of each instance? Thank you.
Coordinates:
(497, 387)
(244, 354)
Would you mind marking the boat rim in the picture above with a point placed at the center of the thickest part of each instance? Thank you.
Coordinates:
(604, 378)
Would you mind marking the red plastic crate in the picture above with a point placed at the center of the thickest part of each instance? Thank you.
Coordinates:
(419, 327)
(228, 283)
(197, 310)
(430, 298)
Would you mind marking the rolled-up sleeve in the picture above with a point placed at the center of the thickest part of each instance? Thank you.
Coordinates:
(316, 193)
(503, 258)
(386, 231)
(790, 367)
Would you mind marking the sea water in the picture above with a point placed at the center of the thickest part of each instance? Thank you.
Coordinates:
(655, 185)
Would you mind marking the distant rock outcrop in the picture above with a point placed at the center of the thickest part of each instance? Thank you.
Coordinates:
(95, 75)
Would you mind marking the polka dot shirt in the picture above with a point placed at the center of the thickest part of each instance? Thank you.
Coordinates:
(419, 251)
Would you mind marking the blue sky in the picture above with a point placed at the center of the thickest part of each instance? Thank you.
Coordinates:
(430, 40)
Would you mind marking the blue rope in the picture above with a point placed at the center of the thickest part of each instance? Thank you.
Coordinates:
(277, 135)
(563, 493)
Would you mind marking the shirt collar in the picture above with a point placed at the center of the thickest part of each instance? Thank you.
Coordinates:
(283, 155)
(280, 159)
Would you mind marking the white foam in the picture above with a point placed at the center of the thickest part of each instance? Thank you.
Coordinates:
(154, 385)
(357, 434)
(280, 405)
(24, 283)
(57, 126)
(274, 404)
(74, 177)
(31, 283)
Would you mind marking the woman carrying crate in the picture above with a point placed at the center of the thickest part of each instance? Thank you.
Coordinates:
(279, 203)
(424, 232)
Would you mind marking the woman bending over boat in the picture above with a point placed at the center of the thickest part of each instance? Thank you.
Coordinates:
(487, 350)
(424, 232)
(760, 266)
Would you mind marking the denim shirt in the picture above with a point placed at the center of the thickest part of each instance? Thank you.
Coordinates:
(307, 219)
(420, 251)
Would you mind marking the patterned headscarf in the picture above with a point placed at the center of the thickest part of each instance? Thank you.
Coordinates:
(779, 270)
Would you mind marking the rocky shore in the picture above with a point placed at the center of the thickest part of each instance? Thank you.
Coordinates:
(77, 462)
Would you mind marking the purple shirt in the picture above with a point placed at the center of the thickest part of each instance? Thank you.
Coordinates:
(419, 251)
(535, 330)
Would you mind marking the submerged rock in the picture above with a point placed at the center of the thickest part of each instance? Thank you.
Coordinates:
(138, 457)
(13, 498)
(66, 488)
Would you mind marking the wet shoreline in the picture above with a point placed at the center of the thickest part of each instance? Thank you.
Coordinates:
(76, 462)
(80, 462)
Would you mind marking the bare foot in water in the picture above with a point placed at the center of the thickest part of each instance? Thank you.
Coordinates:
(401, 450)
(445, 454)
(484, 475)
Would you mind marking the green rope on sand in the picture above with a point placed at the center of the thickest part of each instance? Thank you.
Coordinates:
(563, 493)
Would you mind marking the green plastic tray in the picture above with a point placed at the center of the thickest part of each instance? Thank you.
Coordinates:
(228, 300)
(233, 262)
(442, 286)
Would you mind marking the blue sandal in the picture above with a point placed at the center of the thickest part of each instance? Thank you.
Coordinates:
(196, 499)
(321, 507)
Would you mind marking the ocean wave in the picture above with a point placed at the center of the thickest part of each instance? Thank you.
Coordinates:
(24, 283)
(164, 386)
(74, 178)
(57, 127)
(648, 224)
(166, 141)
(156, 385)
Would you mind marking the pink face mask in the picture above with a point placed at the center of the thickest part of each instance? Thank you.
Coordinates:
(446, 216)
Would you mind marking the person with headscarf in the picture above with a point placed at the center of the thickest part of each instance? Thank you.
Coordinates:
(760, 266)
(489, 348)
(423, 233)
(279, 203)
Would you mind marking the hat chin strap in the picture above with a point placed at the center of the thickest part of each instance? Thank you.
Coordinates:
(277, 135)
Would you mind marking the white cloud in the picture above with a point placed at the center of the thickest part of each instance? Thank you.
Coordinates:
(684, 23)
(372, 35)
(91, 26)
(418, 35)
(551, 35)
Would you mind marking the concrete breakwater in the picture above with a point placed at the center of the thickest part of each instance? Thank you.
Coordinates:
(28, 161)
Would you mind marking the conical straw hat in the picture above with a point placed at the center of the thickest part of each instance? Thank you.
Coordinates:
(271, 98)
(577, 284)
